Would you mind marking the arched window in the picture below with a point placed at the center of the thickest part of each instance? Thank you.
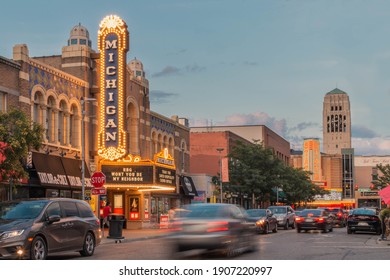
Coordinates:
(74, 127)
(50, 120)
(63, 123)
(154, 143)
(37, 108)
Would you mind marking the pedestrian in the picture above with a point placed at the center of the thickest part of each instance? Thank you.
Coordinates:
(106, 213)
(384, 215)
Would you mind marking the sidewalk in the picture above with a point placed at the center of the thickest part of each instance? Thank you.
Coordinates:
(130, 235)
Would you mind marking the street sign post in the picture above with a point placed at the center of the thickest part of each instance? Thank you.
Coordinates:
(99, 191)
(98, 179)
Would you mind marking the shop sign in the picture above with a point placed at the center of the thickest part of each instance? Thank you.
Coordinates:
(129, 174)
(165, 176)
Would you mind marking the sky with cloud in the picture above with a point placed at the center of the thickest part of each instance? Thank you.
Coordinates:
(225, 62)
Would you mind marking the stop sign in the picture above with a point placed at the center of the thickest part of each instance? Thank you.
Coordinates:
(98, 179)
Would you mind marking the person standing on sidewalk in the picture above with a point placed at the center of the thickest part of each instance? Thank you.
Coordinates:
(106, 213)
(384, 215)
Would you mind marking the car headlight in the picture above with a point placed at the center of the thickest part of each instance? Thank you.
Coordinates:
(260, 222)
(10, 234)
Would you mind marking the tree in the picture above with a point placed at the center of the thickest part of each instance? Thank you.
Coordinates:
(255, 171)
(17, 136)
(381, 181)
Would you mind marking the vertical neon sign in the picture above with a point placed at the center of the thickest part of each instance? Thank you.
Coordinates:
(113, 41)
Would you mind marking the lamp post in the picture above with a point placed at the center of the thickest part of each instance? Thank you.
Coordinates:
(220, 170)
(83, 100)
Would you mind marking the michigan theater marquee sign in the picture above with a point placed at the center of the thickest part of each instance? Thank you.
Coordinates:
(113, 43)
(122, 169)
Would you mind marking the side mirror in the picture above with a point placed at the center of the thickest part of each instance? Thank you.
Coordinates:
(53, 219)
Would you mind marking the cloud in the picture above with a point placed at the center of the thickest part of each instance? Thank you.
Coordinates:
(250, 63)
(159, 97)
(172, 70)
(167, 71)
(371, 146)
(364, 140)
(360, 131)
(181, 51)
(303, 126)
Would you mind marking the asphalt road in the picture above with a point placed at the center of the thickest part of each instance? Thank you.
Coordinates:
(283, 245)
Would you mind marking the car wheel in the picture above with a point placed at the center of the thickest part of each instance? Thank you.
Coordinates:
(298, 230)
(331, 229)
(266, 228)
(38, 249)
(325, 230)
(89, 245)
(252, 243)
(293, 225)
(349, 231)
(286, 225)
(275, 230)
(232, 247)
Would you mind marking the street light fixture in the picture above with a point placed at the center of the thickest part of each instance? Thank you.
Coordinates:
(83, 100)
(220, 170)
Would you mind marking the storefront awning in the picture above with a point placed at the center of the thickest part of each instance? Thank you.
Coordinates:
(73, 170)
(50, 170)
(188, 186)
(55, 171)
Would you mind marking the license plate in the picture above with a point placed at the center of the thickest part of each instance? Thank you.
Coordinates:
(362, 224)
(309, 220)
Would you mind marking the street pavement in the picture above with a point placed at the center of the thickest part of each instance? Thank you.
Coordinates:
(129, 235)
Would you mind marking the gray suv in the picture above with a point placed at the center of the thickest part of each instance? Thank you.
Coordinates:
(285, 216)
(34, 228)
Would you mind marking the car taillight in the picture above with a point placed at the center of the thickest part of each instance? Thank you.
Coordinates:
(320, 220)
(175, 226)
(299, 219)
(339, 214)
(217, 226)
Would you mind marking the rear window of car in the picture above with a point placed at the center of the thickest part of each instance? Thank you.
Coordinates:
(207, 212)
(85, 210)
(311, 213)
(278, 210)
(363, 212)
(256, 212)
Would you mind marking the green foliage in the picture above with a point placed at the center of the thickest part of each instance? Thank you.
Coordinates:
(18, 136)
(255, 171)
(383, 180)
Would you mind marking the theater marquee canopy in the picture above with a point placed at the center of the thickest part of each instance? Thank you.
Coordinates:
(142, 175)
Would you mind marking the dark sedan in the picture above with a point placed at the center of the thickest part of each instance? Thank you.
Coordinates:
(340, 216)
(314, 219)
(363, 219)
(213, 227)
(263, 219)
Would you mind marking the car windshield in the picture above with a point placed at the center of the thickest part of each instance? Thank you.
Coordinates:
(363, 212)
(311, 213)
(278, 210)
(256, 212)
(21, 210)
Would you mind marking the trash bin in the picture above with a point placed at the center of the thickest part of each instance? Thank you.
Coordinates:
(115, 226)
